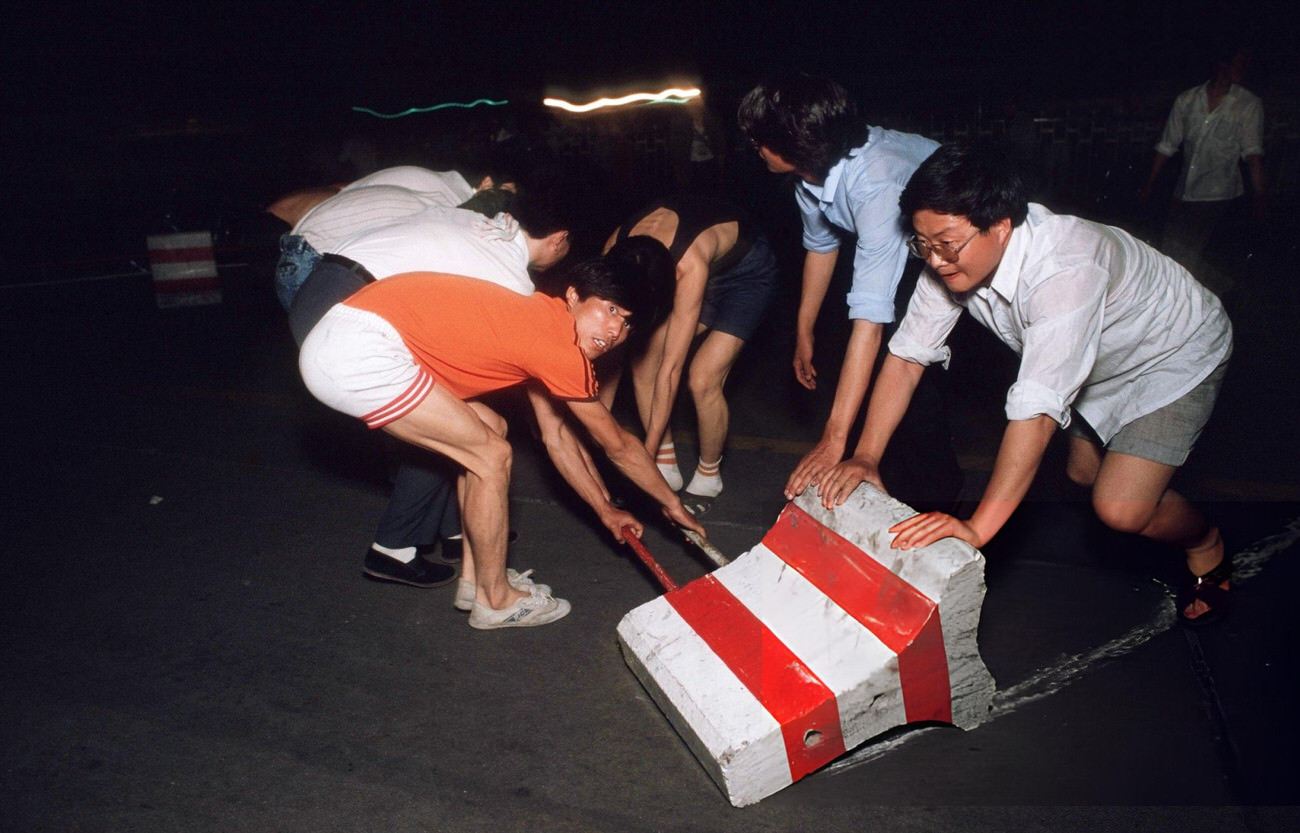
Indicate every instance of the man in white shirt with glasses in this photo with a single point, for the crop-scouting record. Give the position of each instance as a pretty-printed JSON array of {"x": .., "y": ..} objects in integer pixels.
[{"x": 1118, "y": 343}]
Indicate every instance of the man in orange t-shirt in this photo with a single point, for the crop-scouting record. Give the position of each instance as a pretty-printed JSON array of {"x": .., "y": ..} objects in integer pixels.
[{"x": 411, "y": 353}]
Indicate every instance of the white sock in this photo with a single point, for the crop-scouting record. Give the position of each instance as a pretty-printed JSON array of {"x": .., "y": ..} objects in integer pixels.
[
  {"x": 666, "y": 460},
  {"x": 403, "y": 554},
  {"x": 707, "y": 481}
]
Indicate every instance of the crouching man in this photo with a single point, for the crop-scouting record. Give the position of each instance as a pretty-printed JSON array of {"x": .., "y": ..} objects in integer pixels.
[
  {"x": 410, "y": 354},
  {"x": 1117, "y": 342}
]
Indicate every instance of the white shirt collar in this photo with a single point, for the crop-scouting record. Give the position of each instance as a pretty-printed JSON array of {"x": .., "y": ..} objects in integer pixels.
[{"x": 1007, "y": 276}]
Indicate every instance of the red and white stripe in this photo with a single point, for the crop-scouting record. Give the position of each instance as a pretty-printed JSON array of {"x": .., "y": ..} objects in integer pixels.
[
  {"x": 184, "y": 269},
  {"x": 408, "y": 401},
  {"x": 795, "y": 652}
]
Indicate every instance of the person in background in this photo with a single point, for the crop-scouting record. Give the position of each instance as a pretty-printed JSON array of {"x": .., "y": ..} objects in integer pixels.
[
  {"x": 1218, "y": 125},
  {"x": 422, "y": 515}
]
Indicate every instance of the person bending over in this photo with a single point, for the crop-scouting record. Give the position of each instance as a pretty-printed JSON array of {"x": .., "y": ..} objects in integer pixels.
[
  {"x": 848, "y": 178},
  {"x": 725, "y": 276},
  {"x": 411, "y": 354},
  {"x": 1117, "y": 342}
]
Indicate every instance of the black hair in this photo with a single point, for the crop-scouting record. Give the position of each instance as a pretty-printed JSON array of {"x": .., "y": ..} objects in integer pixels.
[
  {"x": 810, "y": 122},
  {"x": 972, "y": 179},
  {"x": 1225, "y": 50},
  {"x": 547, "y": 201},
  {"x": 475, "y": 166},
  {"x": 490, "y": 202},
  {"x": 638, "y": 274}
]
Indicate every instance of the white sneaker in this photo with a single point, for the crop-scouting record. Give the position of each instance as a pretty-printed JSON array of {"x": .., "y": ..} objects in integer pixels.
[
  {"x": 465, "y": 590},
  {"x": 534, "y": 609}
]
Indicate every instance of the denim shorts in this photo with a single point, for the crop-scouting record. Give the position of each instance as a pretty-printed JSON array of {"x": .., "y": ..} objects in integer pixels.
[
  {"x": 297, "y": 259},
  {"x": 1166, "y": 435},
  {"x": 736, "y": 300}
]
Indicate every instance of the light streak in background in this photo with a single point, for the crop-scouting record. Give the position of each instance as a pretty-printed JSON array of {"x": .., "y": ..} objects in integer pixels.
[
  {"x": 673, "y": 95},
  {"x": 476, "y": 102}
]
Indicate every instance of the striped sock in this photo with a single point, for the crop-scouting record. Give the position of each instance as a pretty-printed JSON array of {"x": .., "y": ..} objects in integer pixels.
[
  {"x": 666, "y": 460},
  {"x": 707, "y": 481}
]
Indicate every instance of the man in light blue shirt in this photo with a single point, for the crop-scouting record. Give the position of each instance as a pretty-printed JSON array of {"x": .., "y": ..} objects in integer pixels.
[{"x": 850, "y": 177}]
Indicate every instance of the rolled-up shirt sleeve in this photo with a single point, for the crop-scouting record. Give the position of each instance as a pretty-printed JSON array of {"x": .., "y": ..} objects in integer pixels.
[
  {"x": 880, "y": 256},
  {"x": 1175, "y": 126},
  {"x": 818, "y": 233},
  {"x": 1060, "y": 345},
  {"x": 923, "y": 333}
]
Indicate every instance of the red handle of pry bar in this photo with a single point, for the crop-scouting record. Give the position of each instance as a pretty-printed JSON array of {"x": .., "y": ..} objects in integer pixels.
[{"x": 648, "y": 559}]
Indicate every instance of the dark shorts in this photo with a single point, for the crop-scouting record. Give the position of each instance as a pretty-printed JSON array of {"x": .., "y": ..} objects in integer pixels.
[
  {"x": 326, "y": 285},
  {"x": 736, "y": 300}
]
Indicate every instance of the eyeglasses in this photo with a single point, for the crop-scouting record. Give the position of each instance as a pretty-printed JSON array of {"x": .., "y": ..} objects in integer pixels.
[{"x": 923, "y": 249}]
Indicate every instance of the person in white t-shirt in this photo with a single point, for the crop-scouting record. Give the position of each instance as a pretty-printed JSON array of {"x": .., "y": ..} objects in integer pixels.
[
  {"x": 1218, "y": 125},
  {"x": 321, "y": 219},
  {"x": 500, "y": 249},
  {"x": 1117, "y": 343}
]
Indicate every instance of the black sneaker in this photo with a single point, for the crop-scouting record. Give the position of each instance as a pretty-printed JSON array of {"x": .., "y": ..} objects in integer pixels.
[
  {"x": 453, "y": 549},
  {"x": 419, "y": 573}
]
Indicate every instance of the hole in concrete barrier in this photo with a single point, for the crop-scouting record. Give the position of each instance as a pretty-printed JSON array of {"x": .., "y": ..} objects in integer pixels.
[{"x": 811, "y": 738}]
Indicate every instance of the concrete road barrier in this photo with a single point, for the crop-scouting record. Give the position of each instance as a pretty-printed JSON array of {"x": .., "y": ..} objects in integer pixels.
[
  {"x": 184, "y": 269},
  {"x": 816, "y": 640}
]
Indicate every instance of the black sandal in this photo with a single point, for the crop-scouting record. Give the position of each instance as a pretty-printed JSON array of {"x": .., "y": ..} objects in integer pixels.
[
  {"x": 1210, "y": 589},
  {"x": 697, "y": 505}
]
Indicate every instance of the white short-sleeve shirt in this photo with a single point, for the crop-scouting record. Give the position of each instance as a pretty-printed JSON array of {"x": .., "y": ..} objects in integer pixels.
[
  {"x": 378, "y": 199},
  {"x": 453, "y": 241},
  {"x": 1213, "y": 141}
]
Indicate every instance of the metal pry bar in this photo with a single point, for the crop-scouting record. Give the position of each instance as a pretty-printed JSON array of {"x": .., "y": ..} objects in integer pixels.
[{"x": 715, "y": 555}]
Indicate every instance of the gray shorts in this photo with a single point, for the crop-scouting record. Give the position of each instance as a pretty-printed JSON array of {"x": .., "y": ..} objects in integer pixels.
[{"x": 1166, "y": 435}]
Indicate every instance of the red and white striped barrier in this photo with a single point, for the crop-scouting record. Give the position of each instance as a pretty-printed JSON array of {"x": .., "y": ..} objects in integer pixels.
[
  {"x": 814, "y": 641},
  {"x": 184, "y": 269}
]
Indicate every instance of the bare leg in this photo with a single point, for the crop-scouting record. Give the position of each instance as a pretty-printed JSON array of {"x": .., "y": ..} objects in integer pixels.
[
  {"x": 1132, "y": 495},
  {"x": 468, "y": 434},
  {"x": 708, "y": 374},
  {"x": 467, "y": 552},
  {"x": 498, "y": 424},
  {"x": 608, "y": 376},
  {"x": 645, "y": 367}
]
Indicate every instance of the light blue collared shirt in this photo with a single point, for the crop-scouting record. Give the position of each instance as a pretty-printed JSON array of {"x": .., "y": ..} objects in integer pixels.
[{"x": 860, "y": 196}]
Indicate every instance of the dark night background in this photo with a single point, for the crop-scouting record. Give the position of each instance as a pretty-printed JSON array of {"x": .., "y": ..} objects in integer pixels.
[
  {"x": 188, "y": 644},
  {"x": 126, "y": 118}
]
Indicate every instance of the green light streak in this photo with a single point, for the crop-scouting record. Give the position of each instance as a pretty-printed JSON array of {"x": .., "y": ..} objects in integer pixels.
[{"x": 465, "y": 106}]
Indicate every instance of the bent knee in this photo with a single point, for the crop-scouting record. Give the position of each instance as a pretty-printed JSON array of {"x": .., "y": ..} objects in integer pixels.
[
  {"x": 1130, "y": 516},
  {"x": 493, "y": 459},
  {"x": 703, "y": 385},
  {"x": 1081, "y": 473},
  {"x": 493, "y": 420}
]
